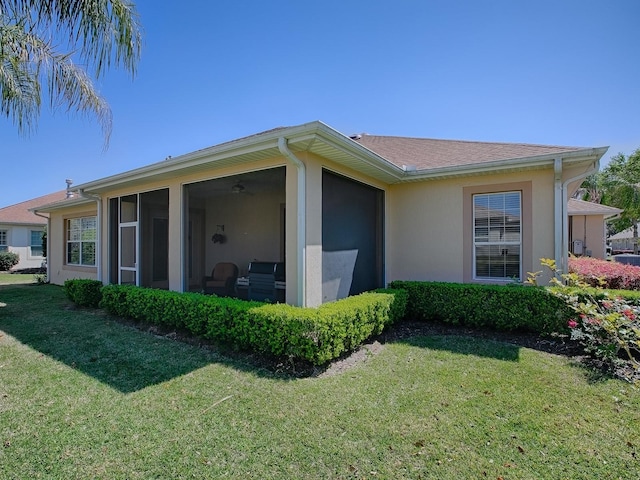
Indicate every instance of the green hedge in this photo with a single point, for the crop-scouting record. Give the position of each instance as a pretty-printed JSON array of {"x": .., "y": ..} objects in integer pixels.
[
  {"x": 317, "y": 335},
  {"x": 86, "y": 293},
  {"x": 489, "y": 306}
]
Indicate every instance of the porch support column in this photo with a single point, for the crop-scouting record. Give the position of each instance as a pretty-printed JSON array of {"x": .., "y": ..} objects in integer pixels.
[
  {"x": 565, "y": 216},
  {"x": 314, "y": 234},
  {"x": 558, "y": 222},
  {"x": 176, "y": 253}
]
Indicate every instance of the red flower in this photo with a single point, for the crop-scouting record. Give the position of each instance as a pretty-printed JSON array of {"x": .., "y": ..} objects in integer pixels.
[{"x": 572, "y": 324}]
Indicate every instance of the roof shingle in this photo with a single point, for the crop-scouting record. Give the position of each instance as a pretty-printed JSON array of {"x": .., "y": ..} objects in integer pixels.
[
  {"x": 20, "y": 214},
  {"x": 428, "y": 153}
]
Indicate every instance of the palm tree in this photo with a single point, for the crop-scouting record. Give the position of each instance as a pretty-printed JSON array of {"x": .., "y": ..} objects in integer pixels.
[
  {"x": 41, "y": 40},
  {"x": 620, "y": 182}
]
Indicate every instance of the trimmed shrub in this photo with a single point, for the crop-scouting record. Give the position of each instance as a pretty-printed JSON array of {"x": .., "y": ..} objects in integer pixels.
[
  {"x": 8, "y": 260},
  {"x": 83, "y": 292},
  {"x": 322, "y": 334},
  {"x": 512, "y": 307},
  {"x": 317, "y": 335},
  {"x": 605, "y": 274}
]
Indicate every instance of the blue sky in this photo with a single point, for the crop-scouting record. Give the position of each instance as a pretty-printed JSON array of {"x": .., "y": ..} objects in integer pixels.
[{"x": 557, "y": 72}]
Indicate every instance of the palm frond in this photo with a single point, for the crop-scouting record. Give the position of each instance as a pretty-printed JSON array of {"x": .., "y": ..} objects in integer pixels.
[{"x": 98, "y": 33}]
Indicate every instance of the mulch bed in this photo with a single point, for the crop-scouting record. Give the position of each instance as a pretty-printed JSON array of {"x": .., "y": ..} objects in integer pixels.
[{"x": 403, "y": 330}]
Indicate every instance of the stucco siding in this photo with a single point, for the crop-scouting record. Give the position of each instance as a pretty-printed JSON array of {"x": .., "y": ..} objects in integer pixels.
[
  {"x": 58, "y": 270},
  {"x": 426, "y": 224},
  {"x": 590, "y": 230}
]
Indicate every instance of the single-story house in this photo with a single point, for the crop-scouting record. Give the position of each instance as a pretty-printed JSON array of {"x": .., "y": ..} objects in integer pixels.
[
  {"x": 622, "y": 242},
  {"x": 587, "y": 227},
  {"x": 335, "y": 214},
  {"x": 21, "y": 230}
]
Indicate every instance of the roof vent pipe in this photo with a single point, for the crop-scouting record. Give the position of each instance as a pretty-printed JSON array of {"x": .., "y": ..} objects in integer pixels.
[{"x": 69, "y": 182}]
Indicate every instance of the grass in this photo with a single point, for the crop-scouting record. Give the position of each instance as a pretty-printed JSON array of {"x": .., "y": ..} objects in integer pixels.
[
  {"x": 83, "y": 396},
  {"x": 16, "y": 278}
]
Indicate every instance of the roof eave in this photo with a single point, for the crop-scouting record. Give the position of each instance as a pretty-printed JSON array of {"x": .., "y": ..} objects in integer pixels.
[
  {"x": 50, "y": 207},
  {"x": 237, "y": 148},
  {"x": 305, "y": 137}
]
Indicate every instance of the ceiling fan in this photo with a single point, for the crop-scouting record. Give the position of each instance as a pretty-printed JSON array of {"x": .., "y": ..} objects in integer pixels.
[{"x": 238, "y": 188}]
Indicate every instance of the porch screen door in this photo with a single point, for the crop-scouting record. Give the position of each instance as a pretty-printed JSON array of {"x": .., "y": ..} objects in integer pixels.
[{"x": 128, "y": 241}]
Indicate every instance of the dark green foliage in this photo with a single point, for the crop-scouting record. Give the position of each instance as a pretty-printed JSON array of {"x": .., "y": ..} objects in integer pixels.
[
  {"x": 83, "y": 292},
  {"x": 488, "y": 306},
  {"x": 44, "y": 243},
  {"x": 316, "y": 335},
  {"x": 8, "y": 260}
]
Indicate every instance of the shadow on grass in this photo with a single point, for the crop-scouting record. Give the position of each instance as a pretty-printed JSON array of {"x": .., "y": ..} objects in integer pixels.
[
  {"x": 465, "y": 345},
  {"x": 98, "y": 345}
]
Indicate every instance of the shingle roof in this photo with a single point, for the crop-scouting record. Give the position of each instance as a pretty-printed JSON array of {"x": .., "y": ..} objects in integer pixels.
[
  {"x": 427, "y": 153},
  {"x": 580, "y": 207},
  {"x": 624, "y": 234},
  {"x": 20, "y": 214}
]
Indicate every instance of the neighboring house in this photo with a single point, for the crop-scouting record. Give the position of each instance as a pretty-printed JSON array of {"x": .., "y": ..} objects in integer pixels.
[
  {"x": 21, "y": 230},
  {"x": 587, "y": 227},
  {"x": 344, "y": 214},
  {"x": 622, "y": 242}
]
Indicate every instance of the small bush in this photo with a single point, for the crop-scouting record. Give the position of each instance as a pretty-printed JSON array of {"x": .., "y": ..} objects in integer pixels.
[
  {"x": 605, "y": 274},
  {"x": 8, "y": 260},
  {"x": 83, "y": 292},
  {"x": 489, "y": 306}
]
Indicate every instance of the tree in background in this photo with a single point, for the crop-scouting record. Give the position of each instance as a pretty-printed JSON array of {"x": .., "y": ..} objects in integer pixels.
[
  {"x": 40, "y": 39},
  {"x": 619, "y": 186}
]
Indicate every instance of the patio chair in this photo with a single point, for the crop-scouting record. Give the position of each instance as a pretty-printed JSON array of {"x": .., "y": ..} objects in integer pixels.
[{"x": 222, "y": 281}]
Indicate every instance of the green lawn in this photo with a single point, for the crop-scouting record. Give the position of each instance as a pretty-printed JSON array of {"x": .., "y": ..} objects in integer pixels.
[
  {"x": 83, "y": 396},
  {"x": 16, "y": 278}
]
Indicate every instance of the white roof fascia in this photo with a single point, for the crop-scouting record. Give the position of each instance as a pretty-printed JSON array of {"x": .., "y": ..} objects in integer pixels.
[
  {"x": 71, "y": 202},
  {"x": 347, "y": 145}
]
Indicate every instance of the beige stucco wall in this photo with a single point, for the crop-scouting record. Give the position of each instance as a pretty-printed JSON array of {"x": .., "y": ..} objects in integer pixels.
[
  {"x": 426, "y": 229},
  {"x": 589, "y": 229},
  {"x": 56, "y": 254}
]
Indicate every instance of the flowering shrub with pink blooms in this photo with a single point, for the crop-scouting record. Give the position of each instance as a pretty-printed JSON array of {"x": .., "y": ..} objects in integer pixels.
[
  {"x": 610, "y": 331},
  {"x": 605, "y": 274},
  {"x": 608, "y": 327}
]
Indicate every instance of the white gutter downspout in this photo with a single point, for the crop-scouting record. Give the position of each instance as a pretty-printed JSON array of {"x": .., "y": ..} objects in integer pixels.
[
  {"x": 557, "y": 212},
  {"x": 35, "y": 212},
  {"x": 98, "y": 200},
  {"x": 301, "y": 220},
  {"x": 564, "y": 266}
]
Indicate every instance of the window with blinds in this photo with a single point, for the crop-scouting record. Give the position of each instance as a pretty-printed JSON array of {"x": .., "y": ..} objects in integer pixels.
[
  {"x": 497, "y": 236},
  {"x": 81, "y": 241}
]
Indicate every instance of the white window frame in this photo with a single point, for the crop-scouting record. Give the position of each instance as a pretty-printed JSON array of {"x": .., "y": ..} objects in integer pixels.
[
  {"x": 4, "y": 240},
  {"x": 83, "y": 237},
  {"x": 503, "y": 244}
]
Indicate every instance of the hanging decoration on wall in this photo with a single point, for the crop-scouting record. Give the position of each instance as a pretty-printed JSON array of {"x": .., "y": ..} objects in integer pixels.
[{"x": 219, "y": 236}]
